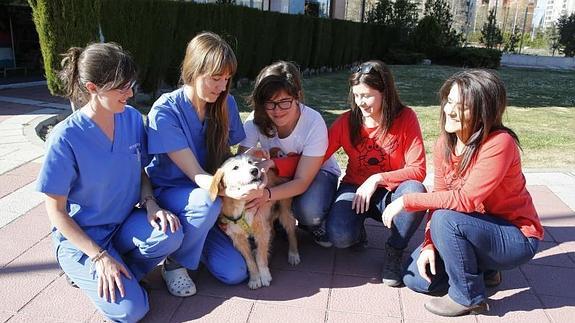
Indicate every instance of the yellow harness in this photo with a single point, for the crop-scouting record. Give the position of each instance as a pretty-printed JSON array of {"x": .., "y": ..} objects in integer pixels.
[{"x": 241, "y": 221}]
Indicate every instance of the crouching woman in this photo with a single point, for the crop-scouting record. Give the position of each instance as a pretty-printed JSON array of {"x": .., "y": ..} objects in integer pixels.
[{"x": 483, "y": 219}]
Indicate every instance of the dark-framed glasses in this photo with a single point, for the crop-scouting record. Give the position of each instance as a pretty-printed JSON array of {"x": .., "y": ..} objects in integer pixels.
[
  {"x": 282, "y": 104},
  {"x": 124, "y": 89},
  {"x": 364, "y": 68}
]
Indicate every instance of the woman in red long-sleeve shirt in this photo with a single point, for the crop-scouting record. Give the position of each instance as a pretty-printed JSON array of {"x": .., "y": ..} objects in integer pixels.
[{"x": 483, "y": 219}]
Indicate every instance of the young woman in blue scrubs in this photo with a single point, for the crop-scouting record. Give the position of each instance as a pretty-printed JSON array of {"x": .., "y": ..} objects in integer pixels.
[
  {"x": 93, "y": 177},
  {"x": 190, "y": 131}
]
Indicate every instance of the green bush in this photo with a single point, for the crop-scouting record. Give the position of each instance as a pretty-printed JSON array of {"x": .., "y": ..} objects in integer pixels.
[
  {"x": 403, "y": 57},
  {"x": 156, "y": 33},
  {"x": 472, "y": 57}
]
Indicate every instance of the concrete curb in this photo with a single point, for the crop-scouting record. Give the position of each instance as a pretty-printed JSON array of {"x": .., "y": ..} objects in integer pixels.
[{"x": 31, "y": 130}]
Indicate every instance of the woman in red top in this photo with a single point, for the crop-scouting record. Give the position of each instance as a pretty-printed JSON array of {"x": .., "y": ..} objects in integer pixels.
[
  {"x": 483, "y": 216},
  {"x": 386, "y": 159}
]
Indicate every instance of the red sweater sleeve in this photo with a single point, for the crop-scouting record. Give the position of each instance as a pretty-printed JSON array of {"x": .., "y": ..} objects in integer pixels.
[
  {"x": 413, "y": 150},
  {"x": 287, "y": 166},
  {"x": 492, "y": 162},
  {"x": 438, "y": 185}
]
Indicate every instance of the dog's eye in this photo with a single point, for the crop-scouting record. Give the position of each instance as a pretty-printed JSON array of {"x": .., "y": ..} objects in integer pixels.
[
  {"x": 251, "y": 162},
  {"x": 236, "y": 167}
]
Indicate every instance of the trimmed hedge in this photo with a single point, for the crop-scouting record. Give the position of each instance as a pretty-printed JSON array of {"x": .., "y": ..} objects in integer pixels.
[
  {"x": 156, "y": 33},
  {"x": 472, "y": 57}
]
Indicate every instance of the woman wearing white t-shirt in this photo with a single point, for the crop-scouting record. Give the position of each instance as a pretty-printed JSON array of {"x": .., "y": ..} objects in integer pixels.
[{"x": 283, "y": 126}]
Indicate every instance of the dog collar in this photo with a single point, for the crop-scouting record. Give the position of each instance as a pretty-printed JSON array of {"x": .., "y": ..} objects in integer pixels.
[{"x": 241, "y": 221}]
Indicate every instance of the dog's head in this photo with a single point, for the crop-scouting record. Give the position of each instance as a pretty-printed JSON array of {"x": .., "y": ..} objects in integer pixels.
[{"x": 238, "y": 173}]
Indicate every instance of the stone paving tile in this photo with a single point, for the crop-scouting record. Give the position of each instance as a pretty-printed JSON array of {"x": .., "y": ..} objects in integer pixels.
[
  {"x": 560, "y": 309},
  {"x": 363, "y": 295},
  {"x": 551, "y": 281},
  {"x": 265, "y": 313},
  {"x": 313, "y": 258},
  {"x": 338, "y": 317},
  {"x": 18, "y": 290},
  {"x": 552, "y": 254},
  {"x": 37, "y": 260},
  {"x": 4, "y": 316},
  {"x": 199, "y": 308},
  {"x": 19, "y": 202},
  {"x": 36, "y": 318},
  {"x": 71, "y": 304},
  {"x": 367, "y": 262},
  {"x": 18, "y": 178},
  {"x": 162, "y": 306},
  {"x": 299, "y": 289},
  {"x": 519, "y": 307},
  {"x": 24, "y": 232}
]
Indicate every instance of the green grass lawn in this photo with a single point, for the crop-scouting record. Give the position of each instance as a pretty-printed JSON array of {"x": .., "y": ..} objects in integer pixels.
[{"x": 541, "y": 107}]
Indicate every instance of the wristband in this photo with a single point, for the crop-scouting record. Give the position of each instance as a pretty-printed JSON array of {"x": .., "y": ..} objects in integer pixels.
[
  {"x": 269, "y": 193},
  {"x": 144, "y": 201}
]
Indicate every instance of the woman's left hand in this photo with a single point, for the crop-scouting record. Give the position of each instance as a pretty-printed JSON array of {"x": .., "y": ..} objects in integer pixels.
[
  {"x": 363, "y": 194},
  {"x": 391, "y": 210},
  {"x": 161, "y": 219}
]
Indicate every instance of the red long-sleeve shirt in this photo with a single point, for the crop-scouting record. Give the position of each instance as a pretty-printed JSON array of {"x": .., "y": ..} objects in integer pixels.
[
  {"x": 493, "y": 183},
  {"x": 401, "y": 156}
]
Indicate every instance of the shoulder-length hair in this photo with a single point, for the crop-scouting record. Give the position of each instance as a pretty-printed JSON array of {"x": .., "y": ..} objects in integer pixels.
[
  {"x": 376, "y": 75},
  {"x": 484, "y": 94},
  {"x": 209, "y": 54},
  {"x": 272, "y": 79}
]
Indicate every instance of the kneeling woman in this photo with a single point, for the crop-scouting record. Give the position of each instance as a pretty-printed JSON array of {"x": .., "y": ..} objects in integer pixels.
[
  {"x": 483, "y": 217},
  {"x": 93, "y": 176}
]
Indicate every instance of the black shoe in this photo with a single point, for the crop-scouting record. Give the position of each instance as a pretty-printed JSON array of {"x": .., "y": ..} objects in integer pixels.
[
  {"x": 71, "y": 282},
  {"x": 492, "y": 279},
  {"x": 392, "y": 271},
  {"x": 320, "y": 236}
]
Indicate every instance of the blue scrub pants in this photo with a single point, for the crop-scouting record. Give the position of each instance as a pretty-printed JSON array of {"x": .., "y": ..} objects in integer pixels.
[
  {"x": 202, "y": 240},
  {"x": 344, "y": 226},
  {"x": 139, "y": 247},
  {"x": 469, "y": 246}
]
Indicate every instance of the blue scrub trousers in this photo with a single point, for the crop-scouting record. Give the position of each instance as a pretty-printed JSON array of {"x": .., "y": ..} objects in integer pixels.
[
  {"x": 344, "y": 226},
  {"x": 202, "y": 239},
  {"x": 468, "y": 247},
  {"x": 139, "y": 247}
]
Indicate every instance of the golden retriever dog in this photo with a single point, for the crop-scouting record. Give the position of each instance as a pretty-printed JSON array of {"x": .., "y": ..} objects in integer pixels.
[{"x": 240, "y": 173}]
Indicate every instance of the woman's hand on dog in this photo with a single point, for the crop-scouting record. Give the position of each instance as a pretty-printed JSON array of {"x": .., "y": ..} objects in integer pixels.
[{"x": 160, "y": 219}]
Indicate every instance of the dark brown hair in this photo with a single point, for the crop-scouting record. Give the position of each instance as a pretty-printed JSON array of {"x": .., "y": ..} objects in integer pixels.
[
  {"x": 483, "y": 93},
  {"x": 272, "y": 79},
  {"x": 376, "y": 75},
  {"x": 107, "y": 65},
  {"x": 208, "y": 53}
]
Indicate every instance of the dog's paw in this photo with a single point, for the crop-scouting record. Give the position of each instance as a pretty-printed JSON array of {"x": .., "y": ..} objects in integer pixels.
[
  {"x": 265, "y": 276},
  {"x": 293, "y": 258},
  {"x": 255, "y": 283}
]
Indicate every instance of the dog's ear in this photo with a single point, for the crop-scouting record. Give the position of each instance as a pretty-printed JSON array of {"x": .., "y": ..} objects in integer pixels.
[{"x": 215, "y": 184}]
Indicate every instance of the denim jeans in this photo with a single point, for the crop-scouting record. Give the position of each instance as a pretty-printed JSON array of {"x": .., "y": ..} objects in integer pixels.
[
  {"x": 312, "y": 206},
  {"x": 467, "y": 247},
  {"x": 344, "y": 226}
]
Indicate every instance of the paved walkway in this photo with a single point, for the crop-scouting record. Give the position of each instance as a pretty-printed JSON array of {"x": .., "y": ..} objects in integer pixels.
[{"x": 328, "y": 286}]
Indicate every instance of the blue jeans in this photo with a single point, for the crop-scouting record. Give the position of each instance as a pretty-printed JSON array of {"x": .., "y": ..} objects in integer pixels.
[
  {"x": 312, "y": 206},
  {"x": 467, "y": 247},
  {"x": 344, "y": 226}
]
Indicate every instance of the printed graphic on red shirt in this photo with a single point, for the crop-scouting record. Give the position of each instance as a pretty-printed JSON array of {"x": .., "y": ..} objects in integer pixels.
[{"x": 373, "y": 156}]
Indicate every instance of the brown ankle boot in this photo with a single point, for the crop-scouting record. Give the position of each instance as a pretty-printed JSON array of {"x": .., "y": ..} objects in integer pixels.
[{"x": 445, "y": 306}]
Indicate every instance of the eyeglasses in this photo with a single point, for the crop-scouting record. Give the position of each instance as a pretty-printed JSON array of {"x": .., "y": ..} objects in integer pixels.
[
  {"x": 283, "y": 104},
  {"x": 364, "y": 68}
]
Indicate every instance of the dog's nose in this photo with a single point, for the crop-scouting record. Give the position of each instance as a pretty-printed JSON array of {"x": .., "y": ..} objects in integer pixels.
[{"x": 255, "y": 172}]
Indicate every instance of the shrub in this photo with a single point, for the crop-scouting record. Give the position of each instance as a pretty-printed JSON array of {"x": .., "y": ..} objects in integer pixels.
[{"x": 469, "y": 57}]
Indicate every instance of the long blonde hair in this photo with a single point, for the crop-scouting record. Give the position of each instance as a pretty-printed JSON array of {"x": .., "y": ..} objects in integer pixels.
[{"x": 208, "y": 53}]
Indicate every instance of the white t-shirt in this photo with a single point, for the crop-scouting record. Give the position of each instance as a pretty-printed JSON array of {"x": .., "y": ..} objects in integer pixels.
[{"x": 308, "y": 138}]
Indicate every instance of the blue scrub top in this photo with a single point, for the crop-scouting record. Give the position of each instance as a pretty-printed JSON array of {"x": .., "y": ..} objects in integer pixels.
[
  {"x": 100, "y": 178},
  {"x": 174, "y": 125}
]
